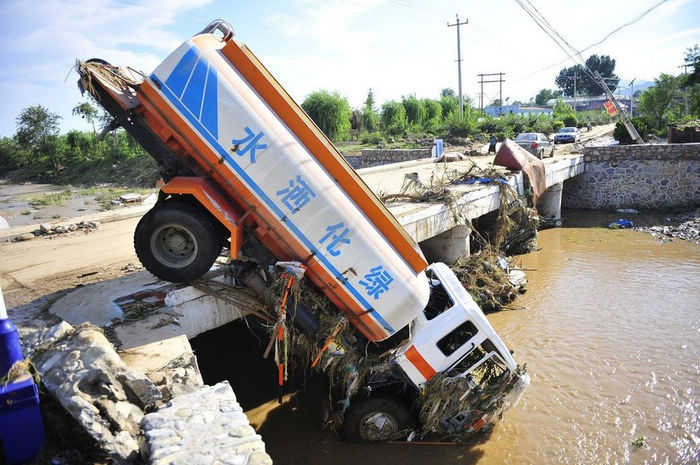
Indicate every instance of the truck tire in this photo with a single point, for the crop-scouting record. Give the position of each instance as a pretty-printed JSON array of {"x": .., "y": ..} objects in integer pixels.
[
  {"x": 177, "y": 241},
  {"x": 379, "y": 418}
]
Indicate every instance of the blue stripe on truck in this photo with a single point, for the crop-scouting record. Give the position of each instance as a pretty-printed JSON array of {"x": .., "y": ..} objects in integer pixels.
[
  {"x": 212, "y": 140},
  {"x": 193, "y": 82}
]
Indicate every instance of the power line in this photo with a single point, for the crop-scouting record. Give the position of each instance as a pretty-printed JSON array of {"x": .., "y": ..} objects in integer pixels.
[{"x": 595, "y": 44}]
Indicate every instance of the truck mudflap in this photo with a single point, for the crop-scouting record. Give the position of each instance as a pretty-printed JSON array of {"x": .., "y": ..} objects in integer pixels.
[{"x": 214, "y": 103}]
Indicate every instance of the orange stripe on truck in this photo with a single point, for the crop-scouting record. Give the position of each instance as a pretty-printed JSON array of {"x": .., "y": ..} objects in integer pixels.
[
  {"x": 322, "y": 149},
  {"x": 420, "y": 363}
]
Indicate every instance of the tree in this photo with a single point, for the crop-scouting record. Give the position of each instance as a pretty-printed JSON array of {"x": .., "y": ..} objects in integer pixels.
[
  {"x": 447, "y": 92},
  {"x": 370, "y": 118},
  {"x": 330, "y": 112},
  {"x": 87, "y": 112},
  {"x": 585, "y": 85},
  {"x": 394, "y": 118},
  {"x": 497, "y": 103},
  {"x": 692, "y": 58},
  {"x": 543, "y": 96},
  {"x": 415, "y": 111},
  {"x": 449, "y": 104},
  {"x": 657, "y": 103},
  {"x": 34, "y": 125}
]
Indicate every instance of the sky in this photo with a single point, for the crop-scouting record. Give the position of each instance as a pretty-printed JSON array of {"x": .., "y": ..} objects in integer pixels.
[{"x": 395, "y": 47}]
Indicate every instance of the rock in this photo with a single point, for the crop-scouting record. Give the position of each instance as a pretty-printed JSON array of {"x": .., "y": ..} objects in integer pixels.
[
  {"x": 202, "y": 427},
  {"x": 72, "y": 227},
  {"x": 45, "y": 228},
  {"x": 81, "y": 369},
  {"x": 26, "y": 237}
]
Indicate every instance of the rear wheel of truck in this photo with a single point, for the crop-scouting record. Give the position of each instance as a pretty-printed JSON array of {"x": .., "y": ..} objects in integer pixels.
[
  {"x": 376, "y": 419},
  {"x": 177, "y": 241}
]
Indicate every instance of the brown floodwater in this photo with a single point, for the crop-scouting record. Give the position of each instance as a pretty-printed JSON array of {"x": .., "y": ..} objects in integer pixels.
[{"x": 610, "y": 332}]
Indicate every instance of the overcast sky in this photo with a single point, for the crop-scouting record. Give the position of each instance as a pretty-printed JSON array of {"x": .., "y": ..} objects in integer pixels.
[{"x": 396, "y": 47}]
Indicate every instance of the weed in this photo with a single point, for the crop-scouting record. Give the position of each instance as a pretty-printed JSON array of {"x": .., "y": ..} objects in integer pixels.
[
  {"x": 56, "y": 216},
  {"x": 639, "y": 442},
  {"x": 26, "y": 212},
  {"x": 51, "y": 198}
]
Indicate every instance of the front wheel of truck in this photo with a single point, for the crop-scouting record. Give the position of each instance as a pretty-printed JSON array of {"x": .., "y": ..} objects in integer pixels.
[
  {"x": 376, "y": 419},
  {"x": 177, "y": 241}
]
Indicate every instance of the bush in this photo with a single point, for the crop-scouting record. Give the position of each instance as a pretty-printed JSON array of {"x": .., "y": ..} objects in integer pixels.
[
  {"x": 394, "y": 118},
  {"x": 457, "y": 125},
  {"x": 622, "y": 136},
  {"x": 330, "y": 112},
  {"x": 570, "y": 121},
  {"x": 557, "y": 125},
  {"x": 371, "y": 137}
]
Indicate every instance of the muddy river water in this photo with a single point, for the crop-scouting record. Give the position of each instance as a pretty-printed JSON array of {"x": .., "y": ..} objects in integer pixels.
[{"x": 610, "y": 332}]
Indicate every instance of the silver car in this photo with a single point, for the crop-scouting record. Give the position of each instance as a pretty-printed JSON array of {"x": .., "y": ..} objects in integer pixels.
[
  {"x": 536, "y": 143},
  {"x": 568, "y": 134}
]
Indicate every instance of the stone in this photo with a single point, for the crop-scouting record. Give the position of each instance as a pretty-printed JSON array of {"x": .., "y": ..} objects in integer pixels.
[
  {"x": 45, "y": 228},
  {"x": 26, "y": 237},
  {"x": 81, "y": 369}
]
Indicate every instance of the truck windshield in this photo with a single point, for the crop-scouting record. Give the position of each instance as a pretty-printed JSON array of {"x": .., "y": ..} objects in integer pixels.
[{"x": 482, "y": 366}]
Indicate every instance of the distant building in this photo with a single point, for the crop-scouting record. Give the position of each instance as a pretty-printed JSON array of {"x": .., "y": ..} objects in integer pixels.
[
  {"x": 586, "y": 102},
  {"x": 517, "y": 110}
]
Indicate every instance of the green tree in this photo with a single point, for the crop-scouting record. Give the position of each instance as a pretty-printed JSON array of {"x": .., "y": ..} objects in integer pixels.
[
  {"x": 415, "y": 111},
  {"x": 447, "y": 92},
  {"x": 449, "y": 104},
  {"x": 394, "y": 118},
  {"x": 37, "y": 133},
  {"x": 433, "y": 114},
  {"x": 543, "y": 96},
  {"x": 330, "y": 112},
  {"x": 692, "y": 58},
  {"x": 658, "y": 104},
  {"x": 585, "y": 85},
  {"x": 370, "y": 118},
  {"x": 88, "y": 112}
]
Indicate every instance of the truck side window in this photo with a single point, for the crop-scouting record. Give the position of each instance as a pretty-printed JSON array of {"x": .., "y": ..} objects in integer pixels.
[
  {"x": 439, "y": 301},
  {"x": 456, "y": 338}
]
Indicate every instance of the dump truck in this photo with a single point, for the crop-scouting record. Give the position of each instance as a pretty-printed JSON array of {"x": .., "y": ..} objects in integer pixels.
[{"x": 244, "y": 168}]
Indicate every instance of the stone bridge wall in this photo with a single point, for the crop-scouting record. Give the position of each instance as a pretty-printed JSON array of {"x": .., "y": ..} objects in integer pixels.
[
  {"x": 376, "y": 157},
  {"x": 636, "y": 176}
]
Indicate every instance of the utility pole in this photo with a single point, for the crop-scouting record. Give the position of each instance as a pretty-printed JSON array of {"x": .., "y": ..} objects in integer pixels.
[
  {"x": 623, "y": 116},
  {"x": 575, "y": 91},
  {"x": 632, "y": 98},
  {"x": 459, "y": 62},
  {"x": 575, "y": 79},
  {"x": 500, "y": 82}
]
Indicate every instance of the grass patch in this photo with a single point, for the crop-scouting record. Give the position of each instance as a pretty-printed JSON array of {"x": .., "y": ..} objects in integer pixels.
[
  {"x": 26, "y": 212},
  {"x": 52, "y": 198},
  {"x": 104, "y": 195}
]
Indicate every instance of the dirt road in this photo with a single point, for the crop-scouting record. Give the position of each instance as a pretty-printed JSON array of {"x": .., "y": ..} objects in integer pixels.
[{"x": 48, "y": 264}]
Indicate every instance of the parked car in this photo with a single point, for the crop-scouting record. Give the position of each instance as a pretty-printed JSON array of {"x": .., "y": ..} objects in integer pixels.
[
  {"x": 567, "y": 134},
  {"x": 536, "y": 143}
]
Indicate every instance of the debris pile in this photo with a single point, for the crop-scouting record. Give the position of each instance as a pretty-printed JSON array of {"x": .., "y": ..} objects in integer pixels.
[
  {"x": 684, "y": 226},
  {"x": 47, "y": 229},
  {"x": 490, "y": 279}
]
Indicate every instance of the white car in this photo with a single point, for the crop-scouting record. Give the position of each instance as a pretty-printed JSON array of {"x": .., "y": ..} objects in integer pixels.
[{"x": 568, "y": 134}]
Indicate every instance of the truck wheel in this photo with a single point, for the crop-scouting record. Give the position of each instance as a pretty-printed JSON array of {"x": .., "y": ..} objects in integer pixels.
[
  {"x": 177, "y": 241},
  {"x": 376, "y": 419}
]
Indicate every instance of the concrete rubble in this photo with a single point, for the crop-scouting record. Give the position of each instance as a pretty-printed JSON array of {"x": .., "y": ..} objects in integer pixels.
[
  {"x": 81, "y": 369},
  {"x": 207, "y": 426},
  {"x": 46, "y": 229}
]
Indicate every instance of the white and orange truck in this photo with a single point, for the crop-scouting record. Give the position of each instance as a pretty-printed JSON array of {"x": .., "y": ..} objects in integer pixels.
[{"x": 245, "y": 168}]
